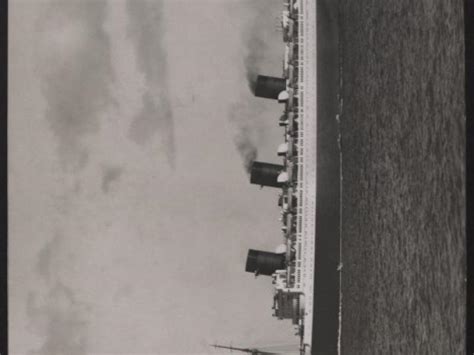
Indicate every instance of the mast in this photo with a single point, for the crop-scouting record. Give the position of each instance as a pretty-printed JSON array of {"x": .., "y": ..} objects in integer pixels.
[{"x": 245, "y": 350}]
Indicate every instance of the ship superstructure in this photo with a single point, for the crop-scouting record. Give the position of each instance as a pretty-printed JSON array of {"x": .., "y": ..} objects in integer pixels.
[{"x": 291, "y": 267}]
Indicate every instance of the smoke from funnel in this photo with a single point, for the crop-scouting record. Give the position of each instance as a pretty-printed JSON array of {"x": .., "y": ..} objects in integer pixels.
[
  {"x": 247, "y": 131},
  {"x": 252, "y": 80},
  {"x": 260, "y": 52},
  {"x": 246, "y": 148},
  {"x": 255, "y": 48},
  {"x": 256, "y": 44}
]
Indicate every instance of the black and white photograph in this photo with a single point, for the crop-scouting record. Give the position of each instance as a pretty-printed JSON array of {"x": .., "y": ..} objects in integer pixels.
[{"x": 212, "y": 177}]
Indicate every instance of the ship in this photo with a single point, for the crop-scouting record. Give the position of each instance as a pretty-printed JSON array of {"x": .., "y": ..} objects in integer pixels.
[{"x": 291, "y": 266}]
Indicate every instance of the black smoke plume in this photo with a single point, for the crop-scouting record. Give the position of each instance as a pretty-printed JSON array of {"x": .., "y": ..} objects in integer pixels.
[
  {"x": 260, "y": 45},
  {"x": 253, "y": 59},
  {"x": 248, "y": 131},
  {"x": 255, "y": 40},
  {"x": 247, "y": 149}
]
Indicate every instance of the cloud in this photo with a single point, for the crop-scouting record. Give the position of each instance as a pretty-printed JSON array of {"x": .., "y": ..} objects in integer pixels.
[
  {"x": 155, "y": 116},
  {"x": 110, "y": 174},
  {"x": 75, "y": 68},
  {"x": 61, "y": 320},
  {"x": 46, "y": 255},
  {"x": 146, "y": 30},
  {"x": 57, "y": 315}
]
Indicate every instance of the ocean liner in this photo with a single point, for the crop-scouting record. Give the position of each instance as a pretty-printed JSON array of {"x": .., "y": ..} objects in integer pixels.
[{"x": 291, "y": 266}]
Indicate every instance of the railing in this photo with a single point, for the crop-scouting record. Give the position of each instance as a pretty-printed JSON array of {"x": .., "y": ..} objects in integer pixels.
[{"x": 299, "y": 66}]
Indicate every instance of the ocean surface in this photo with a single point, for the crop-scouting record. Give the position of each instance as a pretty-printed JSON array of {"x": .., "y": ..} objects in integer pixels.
[{"x": 402, "y": 126}]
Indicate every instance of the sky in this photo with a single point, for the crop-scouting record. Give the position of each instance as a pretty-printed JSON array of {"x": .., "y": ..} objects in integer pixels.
[{"x": 130, "y": 208}]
